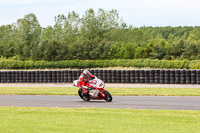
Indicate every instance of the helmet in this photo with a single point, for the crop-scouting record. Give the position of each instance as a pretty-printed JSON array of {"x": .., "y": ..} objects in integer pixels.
[{"x": 86, "y": 73}]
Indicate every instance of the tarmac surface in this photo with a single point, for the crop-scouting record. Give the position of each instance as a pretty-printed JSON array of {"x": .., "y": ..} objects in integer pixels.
[{"x": 120, "y": 102}]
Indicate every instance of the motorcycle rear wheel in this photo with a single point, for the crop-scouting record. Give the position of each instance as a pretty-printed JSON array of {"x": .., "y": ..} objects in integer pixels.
[
  {"x": 82, "y": 95},
  {"x": 108, "y": 96}
]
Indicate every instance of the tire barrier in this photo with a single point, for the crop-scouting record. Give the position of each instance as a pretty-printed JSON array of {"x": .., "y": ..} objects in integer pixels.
[
  {"x": 146, "y": 76},
  {"x": 162, "y": 76},
  {"x": 132, "y": 77},
  {"x": 177, "y": 77},
  {"x": 127, "y": 75},
  {"x": 151, "y": 76},
  {"x": 108, "y": 76},
  {"x": 172, "y": 77},
  {"x": 193, "y": 76},
  {"x": 113, "y": 76},
  {"x": 157, "y": 76},
  {"x": 137, "y": 76},
  {"x": 182, "y": 77},
  {"x": 197, "y": 76}
]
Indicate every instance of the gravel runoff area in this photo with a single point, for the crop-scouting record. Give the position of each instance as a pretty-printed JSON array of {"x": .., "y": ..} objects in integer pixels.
[{"x": 107, "y": 85}]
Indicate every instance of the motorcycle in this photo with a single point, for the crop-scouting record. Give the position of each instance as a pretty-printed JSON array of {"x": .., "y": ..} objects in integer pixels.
[{"x": 98, "y": 92}]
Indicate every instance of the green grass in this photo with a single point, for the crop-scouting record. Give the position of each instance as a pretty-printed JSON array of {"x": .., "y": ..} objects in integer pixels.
[
  {"x": 155, "y": 91},
  {"x": 113, "y": 91},
  {"x": 38, "y": 91},
  {"x": 59, "y": 120}
]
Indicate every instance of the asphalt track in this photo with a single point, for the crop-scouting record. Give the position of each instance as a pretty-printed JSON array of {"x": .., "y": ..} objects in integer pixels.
[{"x": 120, "y": 102}]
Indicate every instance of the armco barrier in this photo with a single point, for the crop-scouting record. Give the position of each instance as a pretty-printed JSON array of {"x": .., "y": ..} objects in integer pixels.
[{"x": 108, "y": 76}]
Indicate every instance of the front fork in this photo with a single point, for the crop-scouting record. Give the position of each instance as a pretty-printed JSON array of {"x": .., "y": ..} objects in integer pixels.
[{"x": 102, "y": 93}]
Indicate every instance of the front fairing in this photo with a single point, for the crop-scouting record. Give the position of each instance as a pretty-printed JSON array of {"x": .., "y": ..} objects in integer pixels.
[{"x": 97, "y": 83}]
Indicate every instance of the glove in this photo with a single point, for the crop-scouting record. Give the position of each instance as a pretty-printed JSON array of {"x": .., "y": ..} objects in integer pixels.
[
  {"x": 86, "y": 88},
  {"x": 93, "y": 77}
]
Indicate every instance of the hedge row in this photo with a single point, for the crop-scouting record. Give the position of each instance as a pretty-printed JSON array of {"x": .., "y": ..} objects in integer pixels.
[
  {"x": 80, "y": 64},
  {"x": 108, "y": 76}
]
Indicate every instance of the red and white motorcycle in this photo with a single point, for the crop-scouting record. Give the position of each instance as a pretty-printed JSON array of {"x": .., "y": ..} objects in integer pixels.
[{"x": 97, "y": 93}]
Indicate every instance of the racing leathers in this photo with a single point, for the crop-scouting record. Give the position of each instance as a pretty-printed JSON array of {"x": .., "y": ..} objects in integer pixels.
[{"x": 84, "y": 81}]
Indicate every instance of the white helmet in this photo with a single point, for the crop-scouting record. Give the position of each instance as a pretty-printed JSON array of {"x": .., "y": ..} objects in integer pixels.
[{"x": 86, "y": 73}]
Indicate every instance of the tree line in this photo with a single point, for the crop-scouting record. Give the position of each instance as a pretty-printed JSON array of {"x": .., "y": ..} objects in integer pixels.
[{"x": 95, "y": 35}]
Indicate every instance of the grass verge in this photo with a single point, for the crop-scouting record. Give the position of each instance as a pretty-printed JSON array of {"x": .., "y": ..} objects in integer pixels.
[
  {"x": 113, "y": 91},
  {"x": 59, "y": 120}
]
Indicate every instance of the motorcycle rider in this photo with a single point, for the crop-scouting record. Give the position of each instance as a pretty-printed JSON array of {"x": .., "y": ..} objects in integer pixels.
[{"x": 84, "y": 80}]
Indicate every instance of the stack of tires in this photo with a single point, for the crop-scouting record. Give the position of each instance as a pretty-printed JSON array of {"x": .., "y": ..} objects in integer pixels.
[
  {"x": 45, "y": 77},
  {"x": 127, "y": 76},
  {"x": 40, "y": 76},
  {"x": 28, "y": 77},
  {"x": 69, "y": 76},
  {"x": 172, "y": 77},
  {"x": 193, "y": 77},
  {"x": 108, "y": 76},
  {"x": 65, "y": 78},
  {"x": 48, "y": 76},
  {"x": 137, "y": 76},
  {"x": 142, "y": 78},
  {"x": 53, "y": 76},
  {"x": 13, "y": 76},
  {"x": 187, "y": 76},
  {"x": 182, "y": 77},
  {"x": 104, "y": 76},
  {"x": 198, "y": 76},
  {"x": 16, "y": 78},
  {"x": 123, "y": 76},
  {"x": 36, "y": 76},
  {"x": 113, "y": 76},
  {"x": 79, "y": 73},
  {"x": 118, "y": 76},
  {"x": 151, "y": 77},
  {"x": 100, "y": 74},
  {"x": 157, "y": 76},
  {"x": 59, "y": 78},
  {"x": 177, "y": 76},
  {"x": 132, "y": 76},
  {"x": 146, "y": 76},
  {"x": 162, "y": 76},
  {"x": 3, "y": 76},
  {"x": 167, "y": 76},
  {"x": 74, "y": 75}
]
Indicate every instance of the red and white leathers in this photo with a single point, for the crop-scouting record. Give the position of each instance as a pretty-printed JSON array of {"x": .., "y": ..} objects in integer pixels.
[{"x": 84, "y": 81}]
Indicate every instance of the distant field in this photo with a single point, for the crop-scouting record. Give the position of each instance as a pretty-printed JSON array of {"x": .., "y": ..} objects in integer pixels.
[
  {"x": 59, "y": 120},
  {"x": 114, "y": 91}
]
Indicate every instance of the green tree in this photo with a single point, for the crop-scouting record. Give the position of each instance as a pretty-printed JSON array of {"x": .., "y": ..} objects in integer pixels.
[
  {"x": 28, "y": 32},
  {"x": 7, "y": 48}
]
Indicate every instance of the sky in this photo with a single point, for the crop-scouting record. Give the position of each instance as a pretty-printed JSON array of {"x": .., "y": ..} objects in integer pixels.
[{"x": 136, "y": 13}]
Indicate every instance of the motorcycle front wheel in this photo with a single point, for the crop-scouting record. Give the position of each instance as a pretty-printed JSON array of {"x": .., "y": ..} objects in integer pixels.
[
  {"x": 83, "y": 96},
  {"x": 108, "y": 96}
]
